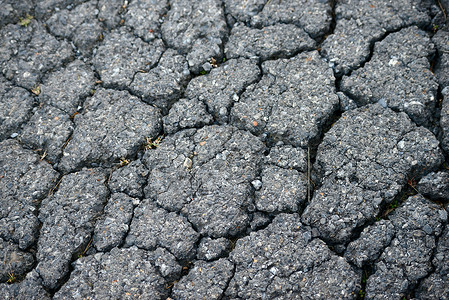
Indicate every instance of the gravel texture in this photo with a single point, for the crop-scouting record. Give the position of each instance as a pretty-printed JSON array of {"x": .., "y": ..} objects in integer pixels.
[
  {"x": 398, "y": 76},
  {"x": 359, "y": 25},
  {"x": 224, "y": 149},
  {"x": 292, "y": 102},
  {"x": 270, "y": 42},
  {"x": 364, "y": 161},
  {"x": 114, "y": 125},
  {"x": 222, "y": 87}
]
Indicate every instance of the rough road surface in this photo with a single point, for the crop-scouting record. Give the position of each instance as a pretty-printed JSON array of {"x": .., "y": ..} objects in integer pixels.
[{"x": 224, "y": 149}]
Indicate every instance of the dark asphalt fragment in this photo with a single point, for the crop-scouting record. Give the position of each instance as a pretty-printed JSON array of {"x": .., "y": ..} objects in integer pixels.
[
  {"x": 211, "y": 249},
  {"x": 30, "y": 288},
  {"x": 281, "y": 40},
  {"x": 364, "y": 161},
  {"x": 163, "y": 84},
  {"x": 408, "y": 258},
  {"x": 154, "y": 227},
  {"x": 282, "y": 190},
  {"x": 207, "y": 280},
  {"x": 112, "y": 227},
  {"x": 28, "y": 52},
  {"x": 437, "y": 284},
  {"x": 206, "y": 174},
  {"x": 360, "y": 25},
  {"x": 121, "y": 55},
  {"x": 13, "y": 262},
  {"x": 145, "y": 18},
  {"x": 67, "y": 88},
  {"x": 186, "y": 113},
  {"x": 114, "y": 125},
  {"x": 15, "y": 108},
  {"x": 129, "y": 179},
  {"x": 24, "y": 181},
  {"x": 47, "y": 130},
  {"x": 441, "y": 41},
  {"x": 119, "y": 274},
  {"x": 221, "y": 88},
  {"x": 79, "y": 25},
  {"x": 435, "y": 186},
  {"x": 283, "y": 262},
  {"x": 398, "y": 76},
  {"x": 197, "y": 29},
  {"x": 444, "y": 120},
  {"x": 292, "y": 102},
  {"x": 68, "y": 219}
]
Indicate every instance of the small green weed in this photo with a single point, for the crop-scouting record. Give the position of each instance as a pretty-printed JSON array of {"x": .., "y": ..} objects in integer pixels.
[
  {"x": 11, "y": 277},
  {"x": 150, "y": 144},
  {"x": 25, "y": 21},
  {"x": 124, "y": 162},
  {"x": 394, "y": 204}
]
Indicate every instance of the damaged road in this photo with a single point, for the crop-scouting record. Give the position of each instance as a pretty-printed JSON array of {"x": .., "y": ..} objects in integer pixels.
[{"x": 224, "y": 149}]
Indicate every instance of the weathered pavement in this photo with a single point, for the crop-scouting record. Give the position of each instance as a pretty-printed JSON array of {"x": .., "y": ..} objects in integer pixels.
[{"x": 174, "y": 149}]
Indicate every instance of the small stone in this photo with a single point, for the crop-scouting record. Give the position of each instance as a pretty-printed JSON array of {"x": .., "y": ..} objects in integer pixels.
[
  {"x": 257, "y": 184},
  {"x": 188, "y": 163}
]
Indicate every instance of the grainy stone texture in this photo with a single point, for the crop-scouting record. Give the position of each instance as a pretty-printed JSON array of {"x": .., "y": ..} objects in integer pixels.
[
  {"x": 129, "y": 179},
  {"x": 441, "y": 41},
  {"x": 207, "y": 280},
  {"x": 47, "y": 130},
  {"x": 211, "y": 249},
  {"x": 145, "y": 18},
  {"x": 79, "y": 25},
  {"x": 398, "y": 75},
  {"x": 364, "y": 161},
  {"x": 292, "y": 102},
  {"x": 187, "y": 113},
  {"x": 222, "y": 87},
  {"x": 408, "y": 258},
  {"x": 270, "y": 42},
  {"x": 45, "y": 8},
  {"x": 154, "y": 227},
  {"x": 372, "y": 241},
  {"x": 121, "y": 55},
  {"x": 12, "y": 10},
  {"x": 28, "y": 52},
  {"x": 288, "y": 157},
  {"x": 163, "y": 84},
  {"x": 359, "y": 25},
  {"x": 114, "y": 125},
  {"x": 437, "y": 284},
  {"x": 314, "y": 17},
  {"x": 206, "y": 174},
  {"x": 13, "y": 262},
  {"x": 24, "y": 181},
  {"x": 444, "y": 120},
  {"x": 282, "y": 190},
  {"x": 120, "y": 274},
  {"x": 197, "y": 29},
  {"x": 435, "y": 186},
  {"x": 30, "y": 288},
  {"x": 223, "y": 149},
  {"x": 68, "y": 219},
  {"x": 112, "y": 227},
  {"x": 67, "y": 88},
  {"x": 15, "y": 108},
  {"x": 284, "y": 261},
  {"x": 109, "y": 12}
]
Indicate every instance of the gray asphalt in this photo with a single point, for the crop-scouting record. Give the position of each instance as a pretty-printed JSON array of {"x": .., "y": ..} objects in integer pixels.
[{"x": 224, "y": 149}]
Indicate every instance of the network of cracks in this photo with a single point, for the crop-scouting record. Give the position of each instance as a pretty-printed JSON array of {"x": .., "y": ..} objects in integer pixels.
[{"x": 257, "y": 149}]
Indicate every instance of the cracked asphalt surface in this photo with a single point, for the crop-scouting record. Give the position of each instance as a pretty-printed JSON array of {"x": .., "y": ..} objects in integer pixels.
[{"x": 224, "y": 149}]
